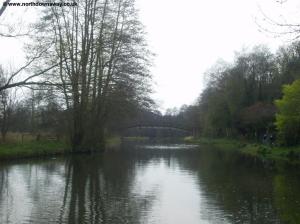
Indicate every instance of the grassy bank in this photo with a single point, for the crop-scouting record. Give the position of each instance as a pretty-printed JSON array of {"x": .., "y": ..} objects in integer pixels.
[
  {"x": 113, "y": 142},
  {"x": 262, "y": 151},
  {"x": 32, "y": 149},
  {"x": 135, "y": 139}
]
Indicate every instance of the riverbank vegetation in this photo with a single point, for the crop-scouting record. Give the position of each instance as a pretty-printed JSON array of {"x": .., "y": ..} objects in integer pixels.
[
  {"x": 32, "y": 149},
  {"x": 86, "y": 75},
  {"x": 273, "y": 153},
  {"x": 250, "y": 105},
  {"x": 255, "y": 98}
]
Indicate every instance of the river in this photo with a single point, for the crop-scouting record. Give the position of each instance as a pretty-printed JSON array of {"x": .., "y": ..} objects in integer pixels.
[{"x": 151, "y": 184}]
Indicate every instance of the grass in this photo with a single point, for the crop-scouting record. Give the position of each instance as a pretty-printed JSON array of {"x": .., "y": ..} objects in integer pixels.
[
  {"x": 32, "y": 149},
  {"x": 136, "y": 138},
  {"x": 20, "y": 145},
  {"x": 113, "y": 142},
  {"x": 25, "y": 145},
  {"x": 262, "y": 151}
]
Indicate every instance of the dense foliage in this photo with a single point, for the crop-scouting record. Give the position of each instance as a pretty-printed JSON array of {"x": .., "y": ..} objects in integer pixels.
[
  {"x": 288, "y": 118},
  {"x": 238, "y": 100}
]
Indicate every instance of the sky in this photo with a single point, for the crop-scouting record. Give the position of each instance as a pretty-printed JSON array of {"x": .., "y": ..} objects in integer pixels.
[{"x": 188, "y": 37}]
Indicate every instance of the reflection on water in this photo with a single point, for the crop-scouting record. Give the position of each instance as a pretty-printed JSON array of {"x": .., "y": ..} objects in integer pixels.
[
  {"x": 165, "y": 184},
  {"x": 166, "y": 146}
]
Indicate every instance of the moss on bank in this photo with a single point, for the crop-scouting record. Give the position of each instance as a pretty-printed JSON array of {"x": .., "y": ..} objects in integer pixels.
[{"x": 262, "y": 151}]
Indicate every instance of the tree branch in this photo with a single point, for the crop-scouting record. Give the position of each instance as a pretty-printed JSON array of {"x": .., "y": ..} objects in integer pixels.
[{"x": 4, "y": 6}]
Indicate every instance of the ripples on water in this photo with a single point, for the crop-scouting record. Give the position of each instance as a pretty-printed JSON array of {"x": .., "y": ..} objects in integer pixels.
[{"x": 152, "y": 183}]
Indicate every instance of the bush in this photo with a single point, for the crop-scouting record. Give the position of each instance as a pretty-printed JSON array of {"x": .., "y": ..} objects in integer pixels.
[{"x": 288, "y": 117}]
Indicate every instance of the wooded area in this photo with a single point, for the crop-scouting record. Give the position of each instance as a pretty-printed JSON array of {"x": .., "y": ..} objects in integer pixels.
[
  {"x": 90, "y": 69},
  {"x": 245, "y": 98}
]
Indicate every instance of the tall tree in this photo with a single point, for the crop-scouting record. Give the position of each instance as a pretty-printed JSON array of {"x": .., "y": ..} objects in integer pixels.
[
  {"x": 6, "y": 107},
  {"x": 100, "y": 49}
]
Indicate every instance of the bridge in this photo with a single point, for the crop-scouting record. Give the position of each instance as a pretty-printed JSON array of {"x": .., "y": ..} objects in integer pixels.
[{"x": 155, "y": 131}]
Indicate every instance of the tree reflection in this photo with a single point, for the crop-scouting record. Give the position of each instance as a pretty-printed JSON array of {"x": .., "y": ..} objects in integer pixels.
[
  {"x": 100, "y": 191},
  {"x": 287, "y": 197},
  {"x": 80, "y": 189},
  {"x": 107, "y": 188},
  {"x": 245, "y": 190}
]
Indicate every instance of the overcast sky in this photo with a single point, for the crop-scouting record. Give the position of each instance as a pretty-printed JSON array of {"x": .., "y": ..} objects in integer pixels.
[{"x": 188, "y": 37}]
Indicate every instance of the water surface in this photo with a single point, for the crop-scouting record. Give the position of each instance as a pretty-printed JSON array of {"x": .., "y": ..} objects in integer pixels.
[{"x": 150, "y": 183}]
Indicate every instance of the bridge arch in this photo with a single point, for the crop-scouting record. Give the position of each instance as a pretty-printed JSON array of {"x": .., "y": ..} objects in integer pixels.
[{"x": 153, "y": 131}]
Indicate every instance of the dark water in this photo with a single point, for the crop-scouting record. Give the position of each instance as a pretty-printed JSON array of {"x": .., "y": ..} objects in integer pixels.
[{"x": 148, "y": 184}]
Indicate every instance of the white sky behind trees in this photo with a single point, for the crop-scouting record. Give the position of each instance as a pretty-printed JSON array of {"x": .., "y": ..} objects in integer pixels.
[{"x": 188, "y": 37}]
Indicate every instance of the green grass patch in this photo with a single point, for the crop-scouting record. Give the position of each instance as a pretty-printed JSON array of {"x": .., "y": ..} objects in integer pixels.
[
  {"x": 32, "y": 149},
  {"x": 226, "y": 143},
  {"x": 136, "y": 138},
  {"x": 112, "y": 142}
]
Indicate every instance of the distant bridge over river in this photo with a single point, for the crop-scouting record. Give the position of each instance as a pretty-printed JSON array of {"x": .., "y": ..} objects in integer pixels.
[{"x": 153, "y": 131}]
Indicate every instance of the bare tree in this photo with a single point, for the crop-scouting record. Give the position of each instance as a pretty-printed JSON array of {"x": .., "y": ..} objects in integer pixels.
[
  {"x": 23, "y": 75},
  {"x": 100, "y": 49},
  {"x": 279, "y": 25}
]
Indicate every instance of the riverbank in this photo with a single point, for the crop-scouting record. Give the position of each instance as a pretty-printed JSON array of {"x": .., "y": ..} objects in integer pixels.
[
  {"x": 44, "y": 148},
  {"x": 32, "y": 149},
  {"x": 289, "y": 155}
]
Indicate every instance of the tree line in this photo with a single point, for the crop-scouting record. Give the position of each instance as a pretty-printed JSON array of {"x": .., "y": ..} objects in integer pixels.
[{"x": 256, "y": 95}]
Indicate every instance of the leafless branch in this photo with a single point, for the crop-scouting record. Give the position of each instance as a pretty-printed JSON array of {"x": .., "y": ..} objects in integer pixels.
[
  {"x": 4, "y": 6},
  {"x": 27, "y": 81}
]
